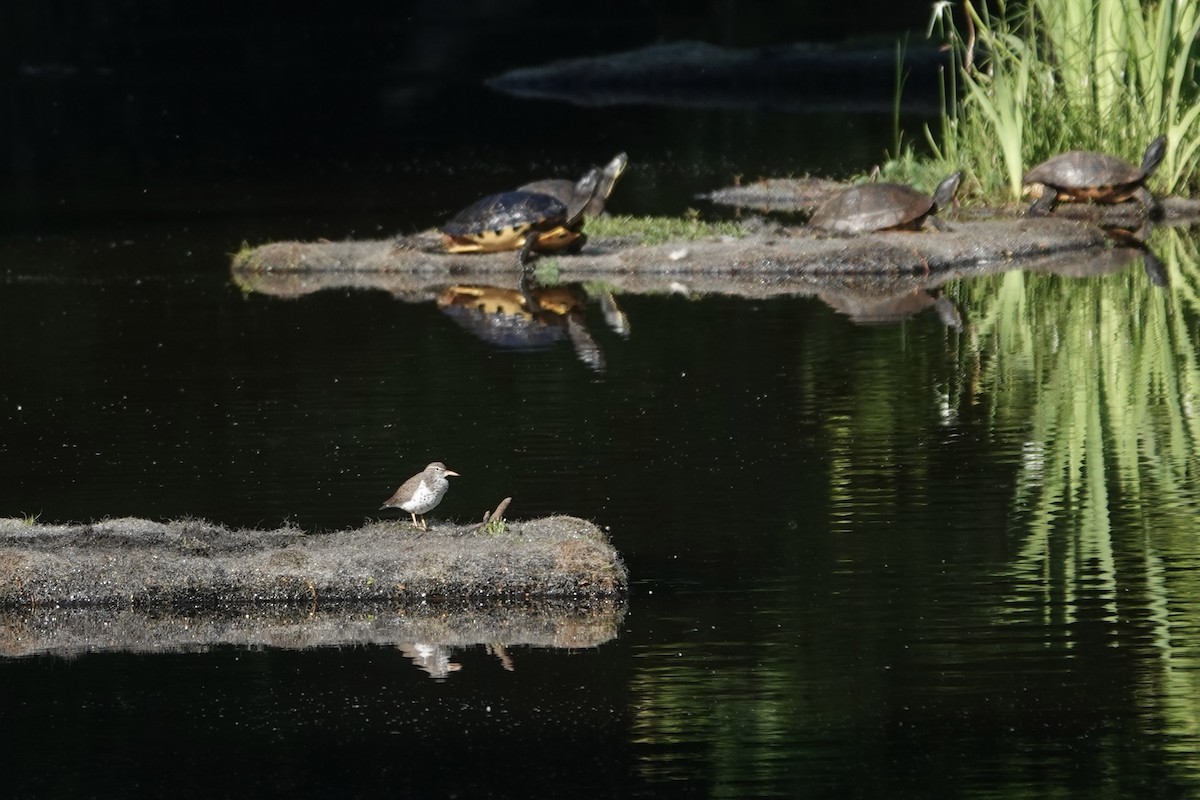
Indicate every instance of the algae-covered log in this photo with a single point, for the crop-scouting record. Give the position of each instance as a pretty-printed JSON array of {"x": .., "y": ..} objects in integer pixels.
[
  {"x": 769, "y": 253},
  {"x": 139, "y": 563}
]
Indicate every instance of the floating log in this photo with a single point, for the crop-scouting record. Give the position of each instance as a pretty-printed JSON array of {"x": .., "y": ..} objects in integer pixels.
[
  {"x": 805, "y": 194},
  {"x": 787, "y": 77},
  {"x": 772, "y": 254},
  {"x": 138, "y": 563}
]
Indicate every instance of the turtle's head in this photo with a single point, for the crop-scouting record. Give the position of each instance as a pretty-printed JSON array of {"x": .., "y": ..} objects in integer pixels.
[
  {"x": 613, "y": 170},
  {"x": 943, "y": 196},
  {"x": 1154, "y": 155},
  {"x": 1033, "y": 189}
]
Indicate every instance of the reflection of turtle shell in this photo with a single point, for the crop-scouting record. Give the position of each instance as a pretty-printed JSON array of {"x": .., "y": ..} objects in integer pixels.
[
  {"x": 503, "y": 318},
  {"x": 882, "y": 206}
]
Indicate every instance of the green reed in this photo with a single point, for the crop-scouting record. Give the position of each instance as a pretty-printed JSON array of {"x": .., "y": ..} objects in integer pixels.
[{"x": 1035, "y": 78}]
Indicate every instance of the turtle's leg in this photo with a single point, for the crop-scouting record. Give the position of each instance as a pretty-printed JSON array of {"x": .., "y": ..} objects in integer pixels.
[
  {"x": 1045, "y": 203},
  {"x": 937, "y": 223},
  {"x": 526, "y": 289},
  {"x": 1149, "y": 202},
  {"x": 523, "y": 257}
]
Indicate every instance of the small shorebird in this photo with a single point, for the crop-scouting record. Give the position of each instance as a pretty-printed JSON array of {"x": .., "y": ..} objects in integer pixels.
[{"x": 421, "y": 493}]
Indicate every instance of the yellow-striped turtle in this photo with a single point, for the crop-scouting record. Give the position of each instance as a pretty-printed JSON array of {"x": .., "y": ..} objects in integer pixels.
[
  {"x": 1080, "y": 175},
  {"x": 883, "y": 207},
  {"x": 522, "y": 220}
]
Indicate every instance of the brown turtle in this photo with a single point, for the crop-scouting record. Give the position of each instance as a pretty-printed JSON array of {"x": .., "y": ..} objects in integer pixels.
[
  {"x": 883, "y": 207},
  {"x": 1081, "y": 175}
]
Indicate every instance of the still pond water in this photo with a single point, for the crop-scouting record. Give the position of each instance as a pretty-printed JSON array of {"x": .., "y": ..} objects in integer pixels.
[{"x": 887, "y": 560}]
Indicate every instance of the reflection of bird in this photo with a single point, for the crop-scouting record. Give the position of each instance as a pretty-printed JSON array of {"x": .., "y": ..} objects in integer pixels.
[
  {"x": 421, "y": 493},
  {"x": 433, "y": 658}
]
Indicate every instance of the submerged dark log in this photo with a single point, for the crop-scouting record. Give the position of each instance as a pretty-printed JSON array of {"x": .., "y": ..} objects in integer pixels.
[
  {"x": 139, "y": 563},
  {"x": 702, "y": 75}
]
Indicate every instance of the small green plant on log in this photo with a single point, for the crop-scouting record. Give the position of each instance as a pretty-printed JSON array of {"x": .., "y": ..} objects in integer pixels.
[
  {"x": 493, "y": 522},
  {"x": 494, "y": 527}
]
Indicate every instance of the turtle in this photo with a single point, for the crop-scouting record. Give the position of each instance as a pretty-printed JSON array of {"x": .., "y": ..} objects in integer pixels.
[
  {"x": 565, "y": 190},
  {"x": 883, "y": 207},
  {"x": 522, "y": 220},
  {"x": 1086, "y": 175}
]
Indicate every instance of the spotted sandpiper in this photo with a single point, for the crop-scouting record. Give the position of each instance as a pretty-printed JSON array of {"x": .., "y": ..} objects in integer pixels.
[{"x": 421, "y": 493}]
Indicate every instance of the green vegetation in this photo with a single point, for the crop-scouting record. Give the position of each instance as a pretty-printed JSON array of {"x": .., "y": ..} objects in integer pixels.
[
  {"x": 547, "y": 271},
  {"x": 656, "y": 230},
  {"x": 1106, "y": 370},
  {"x": 1044, "y": 76},
  {"x": 495, "y": 526}
]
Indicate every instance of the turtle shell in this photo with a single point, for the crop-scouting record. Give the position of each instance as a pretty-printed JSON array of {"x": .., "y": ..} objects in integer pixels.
[
  {"x": 561, "y": 189},
  {"x": 1087, "y": 175},
  {"x": 873, "y": 207},
  {"x": 506, "y": 215},
  {"x": 1083, "y": 169}
]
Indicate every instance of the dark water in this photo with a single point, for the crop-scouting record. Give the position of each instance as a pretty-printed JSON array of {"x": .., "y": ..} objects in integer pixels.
[{"x": 892, "y": 560}]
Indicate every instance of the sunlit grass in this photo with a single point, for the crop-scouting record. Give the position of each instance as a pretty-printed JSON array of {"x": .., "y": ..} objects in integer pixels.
[
  {"x": 656, "y": 230},
  {"x": 1032, "y": 79}
]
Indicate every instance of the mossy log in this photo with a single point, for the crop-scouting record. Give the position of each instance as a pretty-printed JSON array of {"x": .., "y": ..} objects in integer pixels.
[
  {"x": 774, "y": 254},
  {"x": 137, "y": 563},
  {"x": 805, "y": 194}
]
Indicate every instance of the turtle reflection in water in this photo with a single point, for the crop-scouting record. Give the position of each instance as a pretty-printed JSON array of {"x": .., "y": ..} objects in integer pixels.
[
  {"x": 545, "y": 216},
  {"x": 1083, "y": 175},
  {"x": 530, "y": 317}
]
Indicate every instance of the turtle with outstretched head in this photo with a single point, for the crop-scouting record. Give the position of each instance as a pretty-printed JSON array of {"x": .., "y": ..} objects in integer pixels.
[
  {"x": 883, "y": 207},
  {"x": 521, "y": 220},
  {"x": 566, "y": 190},
  {"x": 1084, "y": 175}
]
